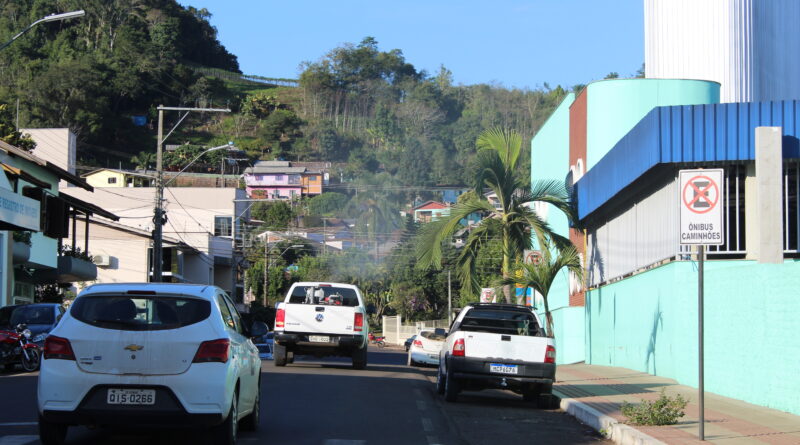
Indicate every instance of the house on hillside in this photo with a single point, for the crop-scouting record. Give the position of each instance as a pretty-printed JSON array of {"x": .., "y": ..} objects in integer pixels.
[
  {"x": 430, "y": 211},
  {"x": 280, "y": 180},
  {"x": 110, "y": 177}
]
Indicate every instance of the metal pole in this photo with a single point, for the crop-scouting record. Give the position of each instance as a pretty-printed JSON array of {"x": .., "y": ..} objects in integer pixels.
[
  {"x": 449, "y": 299},
  {"x": 158, "y": 216},
  {"x": 266, "y": 270},
  {"x": 701, "y": 253}
]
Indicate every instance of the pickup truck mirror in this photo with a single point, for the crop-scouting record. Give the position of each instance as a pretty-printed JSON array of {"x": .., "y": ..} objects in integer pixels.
[
  {"x": 258, "y": 329},
  {"x": 371, "y": 309}
]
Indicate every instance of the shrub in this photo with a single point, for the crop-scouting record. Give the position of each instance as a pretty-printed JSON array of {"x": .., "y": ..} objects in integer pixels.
[{"x": 665, "y": 410}]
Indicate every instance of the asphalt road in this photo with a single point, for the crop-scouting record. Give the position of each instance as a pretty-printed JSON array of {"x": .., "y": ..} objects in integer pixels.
[{"x": 326, "y": 402}]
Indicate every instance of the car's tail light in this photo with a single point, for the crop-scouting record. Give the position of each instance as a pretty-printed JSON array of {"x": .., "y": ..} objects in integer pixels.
[
  {"x": 280, "y": 318},
  {"x": 458, "y": 348},
  {"x": 358, "y": 322},
  {"x": 417, "y": 343},
  {"x": 58, "y": 348},
  {"x": 550, "y": 355},
  {"x": 213, "y": 351}
]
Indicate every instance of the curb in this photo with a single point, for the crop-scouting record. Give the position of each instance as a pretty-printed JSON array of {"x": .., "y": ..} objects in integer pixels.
[{"x": 608, "y": 426}]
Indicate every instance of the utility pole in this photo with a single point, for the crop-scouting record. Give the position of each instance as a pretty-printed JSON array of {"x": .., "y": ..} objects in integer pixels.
[
  {"x": 266, "y": 270},
  {"x": 159, "y": 218},
  {"x": 449, "y": 299}
]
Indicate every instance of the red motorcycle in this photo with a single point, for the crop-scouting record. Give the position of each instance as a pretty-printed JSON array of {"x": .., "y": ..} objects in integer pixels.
[
  {"x": 380, "y": 341},
  {"x": 16, "y": 347}
]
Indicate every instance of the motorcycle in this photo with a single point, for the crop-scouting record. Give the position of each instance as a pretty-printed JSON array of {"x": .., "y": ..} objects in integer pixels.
[
  {"x": 16, "y": 347},
  {"x": 380, "y": 341}
]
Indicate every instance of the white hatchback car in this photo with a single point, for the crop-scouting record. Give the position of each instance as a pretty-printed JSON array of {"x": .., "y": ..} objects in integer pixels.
[
  {"x": 426, "y": 346},
  {"x": 150, "y": 354}
]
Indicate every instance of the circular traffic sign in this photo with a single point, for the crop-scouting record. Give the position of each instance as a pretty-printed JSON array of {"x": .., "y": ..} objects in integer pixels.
[{"x": 700, "y": 194}]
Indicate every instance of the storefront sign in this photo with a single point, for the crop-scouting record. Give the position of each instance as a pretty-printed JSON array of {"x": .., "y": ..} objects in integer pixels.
[{"x": 19, "y": 210}]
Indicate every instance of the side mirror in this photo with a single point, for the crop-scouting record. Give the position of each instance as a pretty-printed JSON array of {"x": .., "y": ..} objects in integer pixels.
[
  {"x": 371, "y": 309},
  {"x": 258, "y": 329}
]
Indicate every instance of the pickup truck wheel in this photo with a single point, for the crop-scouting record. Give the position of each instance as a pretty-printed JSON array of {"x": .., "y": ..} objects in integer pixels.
[
  {"x": 51, "y": 433},
  {"x": 531, "y": 393},
  {"x": 360, "y": 358},
  {"x": 440, "y": 381},
  {"x": 290, "y": 357},
  {"x": 279, "y": 355},
  {"x": 451, "y": 387}
]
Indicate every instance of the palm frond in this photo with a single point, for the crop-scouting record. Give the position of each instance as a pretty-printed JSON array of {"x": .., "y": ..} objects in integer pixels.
[
  {"x": 507, "y": 143},
  {"x": 429, "y": 244}
]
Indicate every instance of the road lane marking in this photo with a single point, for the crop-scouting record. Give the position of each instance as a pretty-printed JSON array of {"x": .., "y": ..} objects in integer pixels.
[
  {"x": 427, "y": 425},
  {"x": 421, "y": 405},
  {"x": 341, "y": 442},
  {"x": 18, "y": 440},
  {"x": 433, "y": 440},
  {"x": 18, "y": 423}
]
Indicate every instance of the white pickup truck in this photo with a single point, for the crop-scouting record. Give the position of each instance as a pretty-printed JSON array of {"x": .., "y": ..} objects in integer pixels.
[
  {"x": 497, "y": 346},
  {"x": 321, "y": 319}
]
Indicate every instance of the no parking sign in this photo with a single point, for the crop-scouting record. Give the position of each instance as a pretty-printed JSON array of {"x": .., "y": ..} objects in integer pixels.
[{"x": 701, "y": 201}]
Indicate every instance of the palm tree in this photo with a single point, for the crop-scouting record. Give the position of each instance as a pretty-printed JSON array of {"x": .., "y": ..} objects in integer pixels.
[
  {"x": 512, "y": 221},
  {"x": 540, "y": 276},
  {"x": 143, "y": 160}
]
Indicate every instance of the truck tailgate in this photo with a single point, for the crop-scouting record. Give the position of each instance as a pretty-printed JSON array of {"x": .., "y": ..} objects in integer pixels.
[
  {"x": 500, "y": 347},
  {"x": 322, "y": 319}
]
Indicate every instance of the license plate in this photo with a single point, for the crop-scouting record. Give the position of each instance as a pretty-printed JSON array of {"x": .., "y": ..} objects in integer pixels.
[
  {"x": 502, "y": 369},
  {"x": 131, "y": 396},
  {"x": 319, "y": 338}
]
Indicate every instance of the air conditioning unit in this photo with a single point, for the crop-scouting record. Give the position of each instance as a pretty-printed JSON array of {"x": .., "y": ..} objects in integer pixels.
[{"x": 102, "y": 260}]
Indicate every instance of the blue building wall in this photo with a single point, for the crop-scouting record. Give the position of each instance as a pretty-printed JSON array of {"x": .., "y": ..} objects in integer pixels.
[
  {"x": 686, "y": 134},
  {"x": 648, "y": 322}
]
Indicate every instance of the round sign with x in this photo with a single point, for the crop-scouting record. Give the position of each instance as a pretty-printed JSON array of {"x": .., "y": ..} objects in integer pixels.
[{"x": 700, "y": 194}]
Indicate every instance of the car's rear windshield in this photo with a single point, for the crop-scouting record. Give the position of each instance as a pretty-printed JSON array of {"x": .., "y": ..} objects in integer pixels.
[
  {"x": 434, "y": 335},
  {"x": 33, "y": 314},
  {"x": 139, "y": 312},
  {"x": 509, "y": 322},
  {"x": 324, "y": 295}
]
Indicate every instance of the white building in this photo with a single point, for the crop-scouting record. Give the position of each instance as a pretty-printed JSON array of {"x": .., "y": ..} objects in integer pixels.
[
  {"x": 748, "y": 46},
  {"x": 207, "y": 220}
]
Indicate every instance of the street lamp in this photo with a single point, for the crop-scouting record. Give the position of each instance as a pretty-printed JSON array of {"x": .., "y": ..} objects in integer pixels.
[
  {"x": 49, "y": 18},
  {"x": 267, "y": 265}
]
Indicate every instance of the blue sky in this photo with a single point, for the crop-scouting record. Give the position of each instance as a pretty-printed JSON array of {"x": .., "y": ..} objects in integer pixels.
[{"x": 510, "y": 42}]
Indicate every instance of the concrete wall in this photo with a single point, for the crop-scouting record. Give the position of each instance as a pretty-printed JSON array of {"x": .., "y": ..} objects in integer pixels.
[
  {"x": 128, "y": 254},
  {"x": 648, "y": 322}
]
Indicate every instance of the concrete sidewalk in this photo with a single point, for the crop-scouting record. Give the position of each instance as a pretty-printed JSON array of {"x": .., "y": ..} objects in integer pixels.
[{"x": 594, "y": 394}]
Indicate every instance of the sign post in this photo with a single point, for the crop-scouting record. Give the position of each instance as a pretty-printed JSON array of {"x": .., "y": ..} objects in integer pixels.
[{"x": 701, "y": 202}]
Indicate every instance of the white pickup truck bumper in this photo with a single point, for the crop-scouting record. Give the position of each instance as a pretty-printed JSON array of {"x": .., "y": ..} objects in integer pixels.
[{"x": 478, "y": 371}]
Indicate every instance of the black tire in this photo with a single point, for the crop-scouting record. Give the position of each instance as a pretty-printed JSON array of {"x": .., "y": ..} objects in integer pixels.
[
  {"x": 381, "y": 344},
  {"x": 51, "y": 433},
  {"x": 451, "y": 387},
  {"x": 532, "y": 392},
  {"x": 279, "y": 355},
  {"x": 225, "y": 433},
  {"x": 289, "y": 357},
  {"x": 547, "y": 401},
  {"x": 360, "y": 358},
  {"x": 250, "y": 423},
  {"x": 440, "y": 379},
  {"x": 31, "y": 364}
]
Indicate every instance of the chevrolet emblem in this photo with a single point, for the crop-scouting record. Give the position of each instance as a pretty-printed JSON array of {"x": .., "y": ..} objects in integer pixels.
[{"x": 134, "y": 348}]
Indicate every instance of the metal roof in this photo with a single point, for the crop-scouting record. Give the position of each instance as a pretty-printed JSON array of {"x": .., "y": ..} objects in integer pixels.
[
  {"x": 258, "y": 169},
  {"x": 691, "y": 134}
]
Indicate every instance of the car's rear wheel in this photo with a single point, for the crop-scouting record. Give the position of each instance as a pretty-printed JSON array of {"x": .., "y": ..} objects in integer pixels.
[
  {"x": 279, "y": 355},
  {"x": 250, "y": 423},
  {"x": 31, "y": 362},
  {"x": 451, "y": 387},
  {"x": 440, "y": 379},
  {"x": 289, "y": 357},
  {"x": 51, "y": 433},
  {"x": 225, "y": 433},
  {"x": 532, "y": 392},
  {"x": 360, "y": 358}
]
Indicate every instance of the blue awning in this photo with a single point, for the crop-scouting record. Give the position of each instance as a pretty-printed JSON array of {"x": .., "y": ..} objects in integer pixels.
[{"x": 692, "y": 134}]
